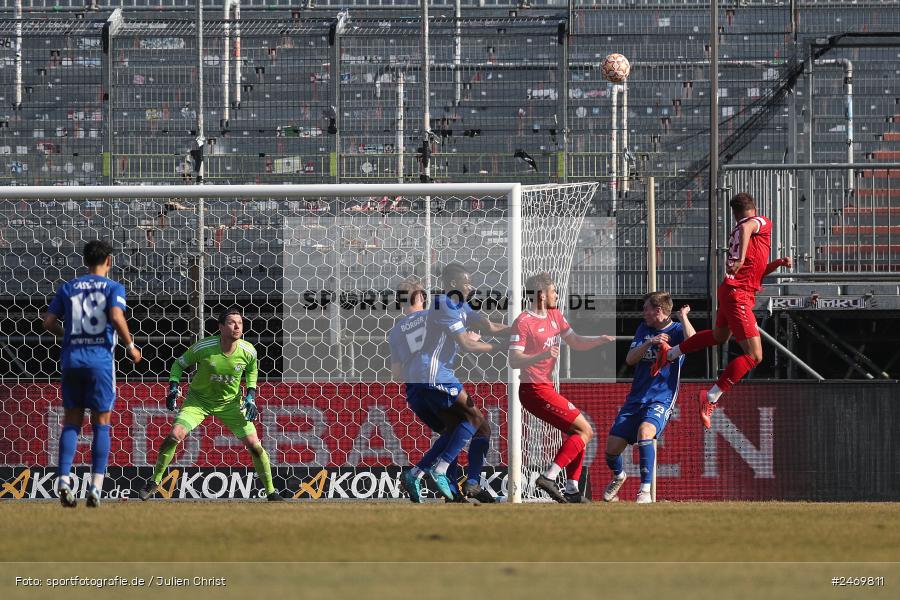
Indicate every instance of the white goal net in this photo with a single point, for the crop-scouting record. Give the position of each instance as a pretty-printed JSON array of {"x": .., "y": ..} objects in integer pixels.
[{"x": 314, "y": 269}]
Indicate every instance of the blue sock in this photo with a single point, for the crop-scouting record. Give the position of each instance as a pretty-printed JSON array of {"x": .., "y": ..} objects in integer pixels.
[
  {"x": 458, "y": 440},
  {"x": 68, "y": 439},
  {"x": 428, "y": 459},
  {"x": 615, "y": 463},
  {"x": 100, "y": 449},
  {"x": 478, "y": 449},
  {"x": 648, "y": 456}
]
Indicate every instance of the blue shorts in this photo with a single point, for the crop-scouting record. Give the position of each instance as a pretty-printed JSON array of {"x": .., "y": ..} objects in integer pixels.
[
  {"x": 447, "y": 383},
  {"x": 87, "y": 387},
  {"x": 416, "y": 395},
  {"x": 439, "y": 397},
  {"x": 633, "y": 414}
]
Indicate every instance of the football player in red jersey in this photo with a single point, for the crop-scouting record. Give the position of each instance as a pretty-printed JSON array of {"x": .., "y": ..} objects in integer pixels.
[
  {"x": 748, "y": 262},
  {"x": 534, "y": 347}
]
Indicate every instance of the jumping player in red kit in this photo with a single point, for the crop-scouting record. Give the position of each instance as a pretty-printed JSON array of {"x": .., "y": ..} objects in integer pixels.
[
  {"x": 748, "y": 254},
  {"x": 534, "y": 347}
]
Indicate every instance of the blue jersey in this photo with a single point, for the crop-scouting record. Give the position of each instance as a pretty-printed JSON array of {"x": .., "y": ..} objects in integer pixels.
[
  {"x": 446, "y": 319},
  {"x": 406, "y": 339},
  {"x": 664, "y": 387},
  {"x": 84, "y": 305}
]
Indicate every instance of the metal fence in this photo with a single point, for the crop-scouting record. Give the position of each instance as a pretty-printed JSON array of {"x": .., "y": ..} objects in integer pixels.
[
  {"x": 831, "y": 218},
  {"x": 312, "y": 98},
  {"x": 298, "y": 95}
]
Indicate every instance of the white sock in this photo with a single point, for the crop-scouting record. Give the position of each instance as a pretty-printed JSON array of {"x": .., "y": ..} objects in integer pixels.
[
  {"x": 619, "y": 476},
  {"x": 441, "y": 466},
  {"x": 417, "y": 472},
  {"x": 97, "y": 480},
  {"x": 64, "y": 480},
  {"x": 571, "y": 486},
  {"x": 552, "y": 471},
  {"x": 674, "y": 353},
  {"x": 645, "y": 488},
  {"x": 713, "y": 394}
]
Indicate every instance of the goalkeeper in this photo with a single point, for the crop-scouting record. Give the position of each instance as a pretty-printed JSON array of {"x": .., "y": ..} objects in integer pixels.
[{"x": 215, "y": 389}]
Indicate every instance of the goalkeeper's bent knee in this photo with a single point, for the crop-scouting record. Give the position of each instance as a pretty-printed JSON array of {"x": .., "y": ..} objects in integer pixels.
[{"x": 257, "y": 449}]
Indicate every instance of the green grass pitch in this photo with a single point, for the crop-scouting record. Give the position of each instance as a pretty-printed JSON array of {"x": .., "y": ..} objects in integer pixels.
[{"x": 360, "y": 549}]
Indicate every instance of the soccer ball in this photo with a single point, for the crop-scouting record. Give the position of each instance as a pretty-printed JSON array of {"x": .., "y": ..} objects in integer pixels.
[{"x": 615, "y": 68}]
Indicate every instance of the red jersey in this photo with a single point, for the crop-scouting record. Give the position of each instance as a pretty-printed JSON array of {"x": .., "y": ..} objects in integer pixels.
[
  {"x": 532, "y": 334},
  {"x": 751, "y": 273}
]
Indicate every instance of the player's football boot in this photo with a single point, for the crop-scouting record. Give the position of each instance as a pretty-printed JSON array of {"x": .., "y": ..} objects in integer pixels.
[
  {"x": 549, "y": 486},
  {"x": 274, "y": 497},
  {"x": 67, "y": 496},
  {"x": 148, "y": 490},
  {"x": 412, "y": 486},
  {"x": 441, "y": 483},
  {"x": 458, "y": 498},
  {"x": 706, "y": 409},
  {"x": 93, "y": 497},
  {"x": 611, "y": 493},
  {"x": 644, "y": 498},
  {"x": 473, "y": 490},
  {"x": 576, "y": 498},
  {"x": 662, "y": 359}
]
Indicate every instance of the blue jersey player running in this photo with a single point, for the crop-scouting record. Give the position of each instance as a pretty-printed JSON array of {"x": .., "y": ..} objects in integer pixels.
[
  {"x": 449, "y": 326},
  {"x": 92, "y": 310},
  {"x": 406, "y": 339},
  {"x": 648, "y": 405}
]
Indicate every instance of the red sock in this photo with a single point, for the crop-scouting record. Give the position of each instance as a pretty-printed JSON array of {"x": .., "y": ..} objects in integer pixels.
[
  {"x": 573, "y": 469},
  {"x": 698, "y": 341},
  {"x": 569, "y": 451},
  {"x": 734, "y": 371}
]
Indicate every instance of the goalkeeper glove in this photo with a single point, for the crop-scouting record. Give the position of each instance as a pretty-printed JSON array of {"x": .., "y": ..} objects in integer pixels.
[
  {"x": 250, "y": 409},
  {"x": 172, "y": 396}
]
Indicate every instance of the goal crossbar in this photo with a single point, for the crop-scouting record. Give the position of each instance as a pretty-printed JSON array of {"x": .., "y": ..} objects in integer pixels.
[{"x": 343, "y": 190}]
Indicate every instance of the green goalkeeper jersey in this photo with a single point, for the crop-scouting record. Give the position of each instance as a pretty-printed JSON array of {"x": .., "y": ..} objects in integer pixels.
[{"x": 217, "y": 380}]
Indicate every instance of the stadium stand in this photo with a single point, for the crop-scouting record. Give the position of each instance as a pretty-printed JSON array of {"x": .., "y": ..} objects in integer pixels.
[{"x": 130, "y": 116}]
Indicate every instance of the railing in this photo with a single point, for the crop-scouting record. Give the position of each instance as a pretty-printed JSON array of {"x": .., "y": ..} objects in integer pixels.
[{"x": 836, "y": 220}]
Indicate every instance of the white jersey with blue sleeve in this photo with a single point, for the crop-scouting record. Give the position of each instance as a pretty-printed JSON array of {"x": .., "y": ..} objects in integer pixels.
[
  {"x": 406, "y": 339},
  {"x": 84, "y": 305},
  {"x": 664, "y": 387}
]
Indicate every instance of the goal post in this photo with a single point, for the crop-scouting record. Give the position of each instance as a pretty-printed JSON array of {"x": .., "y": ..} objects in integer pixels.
[
  {"x": 514, "y": 410},
  {"x": 264, "y": 247}
]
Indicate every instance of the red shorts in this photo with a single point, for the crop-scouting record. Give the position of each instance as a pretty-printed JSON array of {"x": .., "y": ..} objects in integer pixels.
[
  {"x": 543, "y": 401},
  {"x": 736, "y": 312}
]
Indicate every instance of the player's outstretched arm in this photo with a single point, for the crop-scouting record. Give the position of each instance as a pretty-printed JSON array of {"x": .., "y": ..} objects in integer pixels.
[
  {"x": 586, "y": 342},
  {"x": 519, "y": 360},
  {"x": 784, "y": 261},
  {"x": 52, "y": 324},
  {"x": 175, "y": 378},
  {"x": 178, "y": 367},
  {"x": 181, "y": 363},
  {"x": 54, "y": 311},
  {"x": 685, "y": 321},
  {"x": 117, "y": 317},
  {"x": 470, "y": 343},
  {"x": 251, "y": 411},
  {"x": 494, "y": 328},
  {"x": 186, "y": 360},
  {"x": 251, "y": 374}
]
